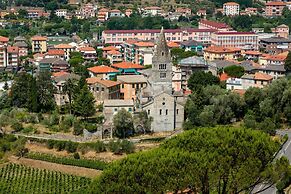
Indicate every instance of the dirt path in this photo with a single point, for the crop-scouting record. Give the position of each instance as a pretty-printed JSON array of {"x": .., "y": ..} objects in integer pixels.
[{"x": 74, "y": 170}]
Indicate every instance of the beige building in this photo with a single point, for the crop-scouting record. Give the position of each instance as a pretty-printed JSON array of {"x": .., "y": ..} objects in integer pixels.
[
  {"x": 39, "y": 44},
  {"x": 130, "y": 84},
  {"x": 281, "y": 31},
  {"x": 221, "y": 53},
  {"x": 231, "y": 8}
]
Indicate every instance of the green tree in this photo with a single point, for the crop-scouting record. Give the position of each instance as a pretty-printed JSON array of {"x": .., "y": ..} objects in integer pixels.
[
  {"x": 234, "y": 71},
  {"x": 201, "y": 79},
  {"x": 143, "y": 120},
  {"x": 69, "y": 89},
  {"x": 45, "y": 91},
  {"x": 287, "y": 63},
  {"x": 222, "y": 160},
  {"x": 123, "y": 123},
  {"x": 84, "y": 103}
]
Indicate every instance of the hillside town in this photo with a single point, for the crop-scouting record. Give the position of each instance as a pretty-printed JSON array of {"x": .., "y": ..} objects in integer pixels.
[{"x": 156, "y": 85}]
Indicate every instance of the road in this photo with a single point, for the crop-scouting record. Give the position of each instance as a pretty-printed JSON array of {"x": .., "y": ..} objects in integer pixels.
[{"x": 285, "y": 151}]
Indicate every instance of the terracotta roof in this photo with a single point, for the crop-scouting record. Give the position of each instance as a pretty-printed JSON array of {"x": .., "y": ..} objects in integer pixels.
[
  {"x": 231, "y": 3},
  {"x": 88, "y": 48},
  {"x": 107, "y": 83},
  {"x": 131, "y": 41},
  {"x": 12, "y": 49},
  {"x": 39, "y": 38},
  {"x": 220, "y": 49},
  {"x": 55, "y": 52},
  {"x": 144, "y": 44},
  {"x": 103, "y": 10},
  {"x": 109, "y": 48},
  {"x": 61, "y": 73},
  {"x": 173, "y": 45},
  {"x": 275, "y": 3},
  {"x": 224, "y": 77},
  {"x": 262, "y": 76},
  {"x": 102, "y": 69},
  {"x": 38, "y": 55},
  {"x": 235, "y": 33},
  {"x": 214, "y": 24},
  {"x": 127, "y": 65},
  {"x": 153, "y": 8},
  {"x": 113, "y": 52},
  {"x": 241, "y": 92},
  {"x": 253, "y": 53},
  {"x": 157, "y": 31},
  {"x": 275, "y": 57},
  {"x": 63, "y": 46},
  {"x": 4, "y": 39}
]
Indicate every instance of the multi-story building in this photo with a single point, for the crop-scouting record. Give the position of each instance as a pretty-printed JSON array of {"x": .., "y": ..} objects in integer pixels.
[
  {"x": 89, "y": 53},
  {"x": 242, "y": 40},
  {"x": 275, "y": 45},
  {"x": 221, "y": 53},
  {"x": 231, "y": 8},
  {"x": 67, "y": 48},
  {"x": 152, "y": 11},
  {"x": 103, "y": 89},
  {"x": 88, "y": 10},
  {"x": 251, "y": 11},
  {"x": 130, "y": 85},
  {"x": 274, "y": 8},
  {"x": 207, "y": 24},
  {"x": 103, "y": 72},
  {"x": 184, "y": 11},
  {"x": 114, "y": 56},
  {"x": 37, "y": 13},
  {"x": 12, "y": 56},
  {"x": 20, "y": 42},
  {"x": 103, "y": 15},
  {"x": 281, "y": 31},
  {"x": 53, "y": 65},
  {"x": 61, "y": 12},
  {"x": 55, "y": 53},
  {"x": 117, "y": 37},
  {"x": 116, "y": 13},
  {"x": 39, "y": 44}
]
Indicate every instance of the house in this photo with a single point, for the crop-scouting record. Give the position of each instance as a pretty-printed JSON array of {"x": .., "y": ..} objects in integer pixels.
[
  {"x": 276, "y": 71},
  {"x": 275, "y": 45},
  {"x": 252, "y": 55},
  {"x": 39, "y": 44},
  {"x": 152, "y": 11},
  {"x": 103, "y": 15},
  {"x": 251, "y": 11},
  {"x": 192, "y": 45},
  {"x": 115, "y": 13},
  {"x": 190, "y": 65},
  {"x": 128, "y": 12},
  {"x": 13, "y": 56},
  {"x": 221, "y": 53},
  {"x": 230, "y": 9},
  {"x": 107, "y": 49},
  {"x": 114, "y": 56},
  {"x": 88, "y": 53},
  {"x": 208, "y": 24},
  {"x": 67, "y": 48},
  {"x": 59, "y": 80},
  {"x": 281, "y": 31},
  {"x": 130, "y": 84},
  {"x": 103, "y": 89},
  {"x": 184, "y": 11},
  {"x": 111, "y": 107},
  {"x": 274, "y": 8},
  {"x": 103, "y": 72},
  {"x": 258, "y": 80},
  {"x": 20, "y": 42},
  {"x": 242, "y": 40},
  {"x": 274, "y": 59},
  {"x": 61, "y": 12},
  {"x": 88, "y": 10},
  {"x": 36, "y": 13},
  {"x": 127, "y": 67},
  {"x": 53, "y": 65},
  {"x": 201, "y": 12},
  {"x": 54, "y": 53}
]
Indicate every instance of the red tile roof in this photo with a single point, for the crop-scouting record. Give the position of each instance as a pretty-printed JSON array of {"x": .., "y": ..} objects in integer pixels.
[
  {"x": 113, "y": 52},
  {"x": 55, "y": 52},
  {"x": 144, "y": 44},
  {"x": 275, "y": 3},
  {"x": 109, "y": 48},
  {"x": 127, "y": 65},
  {"x": 39, "y": 38},
  {"x": 87, "y": 48},
  {"x": 12, "y": 49},
  {"x": 102, "y": 69},
  {"x": 263, "y": 76},
  {"x": 214, "y": 24},
  {"x": 107, "y": 83},
  {"x": 63, "y": 46},
  {"x": 4, "y": 39},
  {"x": 220, "y": 49},
  {"x": 173, "y": 45},
  {"x": 231, "y": 3},
  {"x": 224, "y": 77},
  {"x": 61, "y": 73}
]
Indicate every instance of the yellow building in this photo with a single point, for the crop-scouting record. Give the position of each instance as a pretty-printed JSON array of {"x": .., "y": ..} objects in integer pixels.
[
  {"x": 130, "y": 85},
  {"x": 221, "y": 53},
  {"x": 39, "y": 44}
]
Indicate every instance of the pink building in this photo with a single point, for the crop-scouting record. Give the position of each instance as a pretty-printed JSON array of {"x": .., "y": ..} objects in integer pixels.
[
  {"x": 87, "y": 10},
  {"x": 281, "y": 31},
  {"x": 207, "y": 24},
  {"x": 185, "y": 11},
  {"x": 117, "y": 37},
  {"x": 274, "y": 8},
  {"x": 242, "y": 40}
]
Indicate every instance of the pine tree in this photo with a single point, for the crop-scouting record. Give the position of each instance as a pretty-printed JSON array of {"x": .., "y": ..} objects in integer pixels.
[{"x": 84, "y": 104}]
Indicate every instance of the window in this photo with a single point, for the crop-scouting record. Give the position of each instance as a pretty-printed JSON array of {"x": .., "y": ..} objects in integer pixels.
[
  {"x": 149, "y": 112},
  {"x": 115, "y": 110},
  {"x": 166, "y": 111},
  {"x": 129, "y": 109},
  {"x": 102, "y": 89},
  {"x": 160, "y": 111},
  {"x": 163, "y": 75},
  {"x": 122, "y": 85},
  {"x": 97, "y": 89},
  {"x": 133, "y": 86},
  {"x": 162, "y": 66},
  {"x": 177, "y": 111}
]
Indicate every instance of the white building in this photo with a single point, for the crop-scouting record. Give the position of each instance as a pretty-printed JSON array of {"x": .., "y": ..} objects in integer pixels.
[
  {"x": 61, "y": 12},
  {"x": 231, "y": 9}
]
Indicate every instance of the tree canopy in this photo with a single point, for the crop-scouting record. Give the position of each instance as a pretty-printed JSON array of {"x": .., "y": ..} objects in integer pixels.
[
  {"x": 205, "y": 160},
  {"x": 123, "y": 123},
  {"x": 234, "y": 71}
]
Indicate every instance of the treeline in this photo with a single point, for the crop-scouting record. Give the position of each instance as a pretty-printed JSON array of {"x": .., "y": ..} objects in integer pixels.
[{"x": 209, "y": 104}]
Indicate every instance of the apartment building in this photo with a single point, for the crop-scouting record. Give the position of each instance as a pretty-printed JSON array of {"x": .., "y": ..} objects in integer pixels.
[
  {"x": 242, "y": 40},
  {"x": 103, "y": 15},
  {"x": 39, "y": 44},
  {"x": 89, "y": 53},
  {"x": 130, "y": 85},
  {"x": 116, "y": 13},
  {"x": 88, "y": 10},
  {"x": 184, "y": 11},
  {"x": 117, "y": 37},
  {"x": 274, "y": 8},
  {"x": 36, "y": 13},
  {"x": 275, "y": 45},
  {"x": 114, "y": 56},
  {"x": 12, "y": 56},
  {"x": 208, "y": 24},
  {"x": 231, "y": 8},
  {"x": 67, "y": 48},
  {"x": 281, "y": 31},
  {"x": 61, "y": 12},
  {"x": 221, "y": 53},
  {"x": 152, "y": 11}
]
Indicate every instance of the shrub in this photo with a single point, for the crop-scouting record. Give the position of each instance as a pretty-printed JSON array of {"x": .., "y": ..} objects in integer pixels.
[
  {"x": 29, "y": 129},
  {"x": 78, "y": 129},
  {"x": 71, "y": 147},
  {"x": 127, "y": 146},
  {"x": 50, "y": 144},
  {"x": 114, "y": 147},
  {"x": 76, "y": 155},
  {"x": 99, "y": 146},
  {"x": 54, "y": 119},
  {"x": 17, "y": 126},
  {"x": 60, "y": 145}
]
